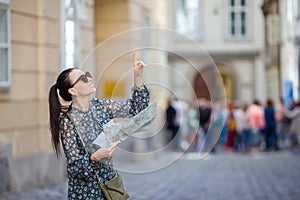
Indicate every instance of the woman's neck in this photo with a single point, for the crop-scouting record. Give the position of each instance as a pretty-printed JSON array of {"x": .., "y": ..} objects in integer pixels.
[{"x": 81, "y": 103}]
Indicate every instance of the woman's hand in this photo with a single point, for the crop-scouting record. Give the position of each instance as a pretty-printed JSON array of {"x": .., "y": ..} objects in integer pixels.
[
  {"x": 104, "y": 152},
  {"x": 138, "y": 71}
]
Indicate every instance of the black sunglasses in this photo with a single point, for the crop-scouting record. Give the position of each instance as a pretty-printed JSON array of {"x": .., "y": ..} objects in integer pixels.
[{"x": 83, "y": 77}]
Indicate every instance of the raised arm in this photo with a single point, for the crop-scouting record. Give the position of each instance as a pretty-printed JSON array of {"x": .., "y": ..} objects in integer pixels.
[
  {"x": 138, "y": 67},
  {"x": 140, "y": 95}
]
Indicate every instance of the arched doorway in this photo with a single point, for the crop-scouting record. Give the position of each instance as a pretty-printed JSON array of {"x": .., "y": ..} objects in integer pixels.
[
  {"x": 227, "y": 81},
  {"x": 201, "y": 83}
]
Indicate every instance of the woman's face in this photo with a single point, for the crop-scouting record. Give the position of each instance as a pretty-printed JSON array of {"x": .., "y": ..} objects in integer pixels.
[{"x": 81, "y": 87}]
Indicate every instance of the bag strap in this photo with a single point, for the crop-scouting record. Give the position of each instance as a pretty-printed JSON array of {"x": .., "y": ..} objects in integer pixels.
[{"x": 86, "y": 151}]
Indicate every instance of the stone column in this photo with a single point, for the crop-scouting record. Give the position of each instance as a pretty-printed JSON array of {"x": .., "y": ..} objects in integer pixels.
[{"x": 260, "y": 80}]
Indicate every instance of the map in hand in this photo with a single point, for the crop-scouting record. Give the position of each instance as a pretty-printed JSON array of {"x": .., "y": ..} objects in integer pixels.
[{"x": 122, "y": 128}]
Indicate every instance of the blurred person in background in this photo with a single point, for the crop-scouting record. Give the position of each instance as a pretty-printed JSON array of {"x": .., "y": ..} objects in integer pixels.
[
  {"x": 294, "y": 115},
  {"x": 224, "y": 131},
  {"x": 79, "y": 125},
  {"x": 204, "y": 114},
  {"x": 246, "y": 130},
  {"x": 193, "y": 125},
  {"x": 257, "y": 123},
  {"x": 238, "y": 114},
  {"x": 283, "y": 123},
  {"x": 172, "y": 122},
  {"x": 270, "y": 127},
  {"x": 231, "y": 124},
  {"x": 292, "y": 104},
  {"x": 181, "y": 108}
]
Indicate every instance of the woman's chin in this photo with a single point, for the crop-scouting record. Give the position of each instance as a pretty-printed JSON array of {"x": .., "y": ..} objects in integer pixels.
[
  {"x": 93, "y": 87},
  {"x": 93, "y": 90}
]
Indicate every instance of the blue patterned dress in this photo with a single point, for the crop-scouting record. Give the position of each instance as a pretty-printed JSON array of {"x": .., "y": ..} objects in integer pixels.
[{"x": 82, "y": 181}]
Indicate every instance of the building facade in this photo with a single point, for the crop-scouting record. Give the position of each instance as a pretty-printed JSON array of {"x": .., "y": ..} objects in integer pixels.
[
  {"x": 290, "y": 48},
  {"x": 30, "y": 61},
  {"x": 232, "y": 34},
  {"x": 282, "y": 48}
]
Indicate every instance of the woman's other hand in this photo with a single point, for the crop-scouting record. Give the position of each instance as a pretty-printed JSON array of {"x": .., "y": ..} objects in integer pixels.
[{"x": 104, "y": 152}]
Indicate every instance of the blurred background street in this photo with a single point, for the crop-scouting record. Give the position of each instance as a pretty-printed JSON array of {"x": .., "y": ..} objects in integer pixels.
[{"x": 219, "y": 176}]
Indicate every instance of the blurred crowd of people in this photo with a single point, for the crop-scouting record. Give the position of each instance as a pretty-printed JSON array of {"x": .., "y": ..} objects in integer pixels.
[
  {"x": 185, "y": 123},
  {"x": 265, "y": 127}
]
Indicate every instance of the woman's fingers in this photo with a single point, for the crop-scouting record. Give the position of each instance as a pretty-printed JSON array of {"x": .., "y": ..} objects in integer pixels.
[
  {"x": 137, "y": 64},
  {"x": 140, "y": 64},
  {"x": 114, "y": 145},
  {"x": 134, "y": 59}
]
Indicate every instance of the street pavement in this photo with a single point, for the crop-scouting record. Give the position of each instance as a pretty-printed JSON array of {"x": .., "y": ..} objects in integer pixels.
[{"x": 219, "y": 176}]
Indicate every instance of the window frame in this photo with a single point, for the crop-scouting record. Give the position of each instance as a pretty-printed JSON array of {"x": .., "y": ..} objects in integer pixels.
[
  {"x": 77, "y": 44},
  {"x": 228, "y": 23},
  {"x": 7, "y": 2},
  {"x": 297, "y": 21},
  {"x": 5, "y": 84},
  {"x": 195, "y": 35}
]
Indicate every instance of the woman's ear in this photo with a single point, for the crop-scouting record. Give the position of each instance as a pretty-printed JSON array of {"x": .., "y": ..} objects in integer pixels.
[{"x": 72, "y": 91}]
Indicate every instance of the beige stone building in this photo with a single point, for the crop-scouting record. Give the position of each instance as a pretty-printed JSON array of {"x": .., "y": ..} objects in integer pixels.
[
  {"x": 38, "y": 39},
  {"x": 32, "y": 52}
]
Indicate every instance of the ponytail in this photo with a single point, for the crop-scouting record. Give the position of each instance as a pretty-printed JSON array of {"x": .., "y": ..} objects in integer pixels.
[
  {"x": 54, "y": 111},
  {"x": 55, "y": 108}
]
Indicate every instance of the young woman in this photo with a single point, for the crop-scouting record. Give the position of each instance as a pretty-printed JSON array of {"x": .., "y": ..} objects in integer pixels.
[{"x": 76, "y": 127}]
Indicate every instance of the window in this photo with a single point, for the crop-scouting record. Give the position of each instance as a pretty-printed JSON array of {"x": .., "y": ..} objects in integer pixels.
[
  {"x": 72, "y": 47},
  {"x": 297, "y": 21},
  {"x": 188, "y": 17},
  {"x": 4, "y": 44},
  {"x": 238, "y": 19},
  {"x": 74, "y": 12}
]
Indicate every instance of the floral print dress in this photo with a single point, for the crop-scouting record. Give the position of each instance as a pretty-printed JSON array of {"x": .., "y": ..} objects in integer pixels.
[{"x": 82, "y": 181}]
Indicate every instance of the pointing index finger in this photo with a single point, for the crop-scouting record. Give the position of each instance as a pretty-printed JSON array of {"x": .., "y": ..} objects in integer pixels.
[{"x": 134, "y": 58}]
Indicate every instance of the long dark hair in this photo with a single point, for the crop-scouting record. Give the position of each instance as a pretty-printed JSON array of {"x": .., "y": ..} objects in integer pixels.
[{"x": 62, "y": 85}]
